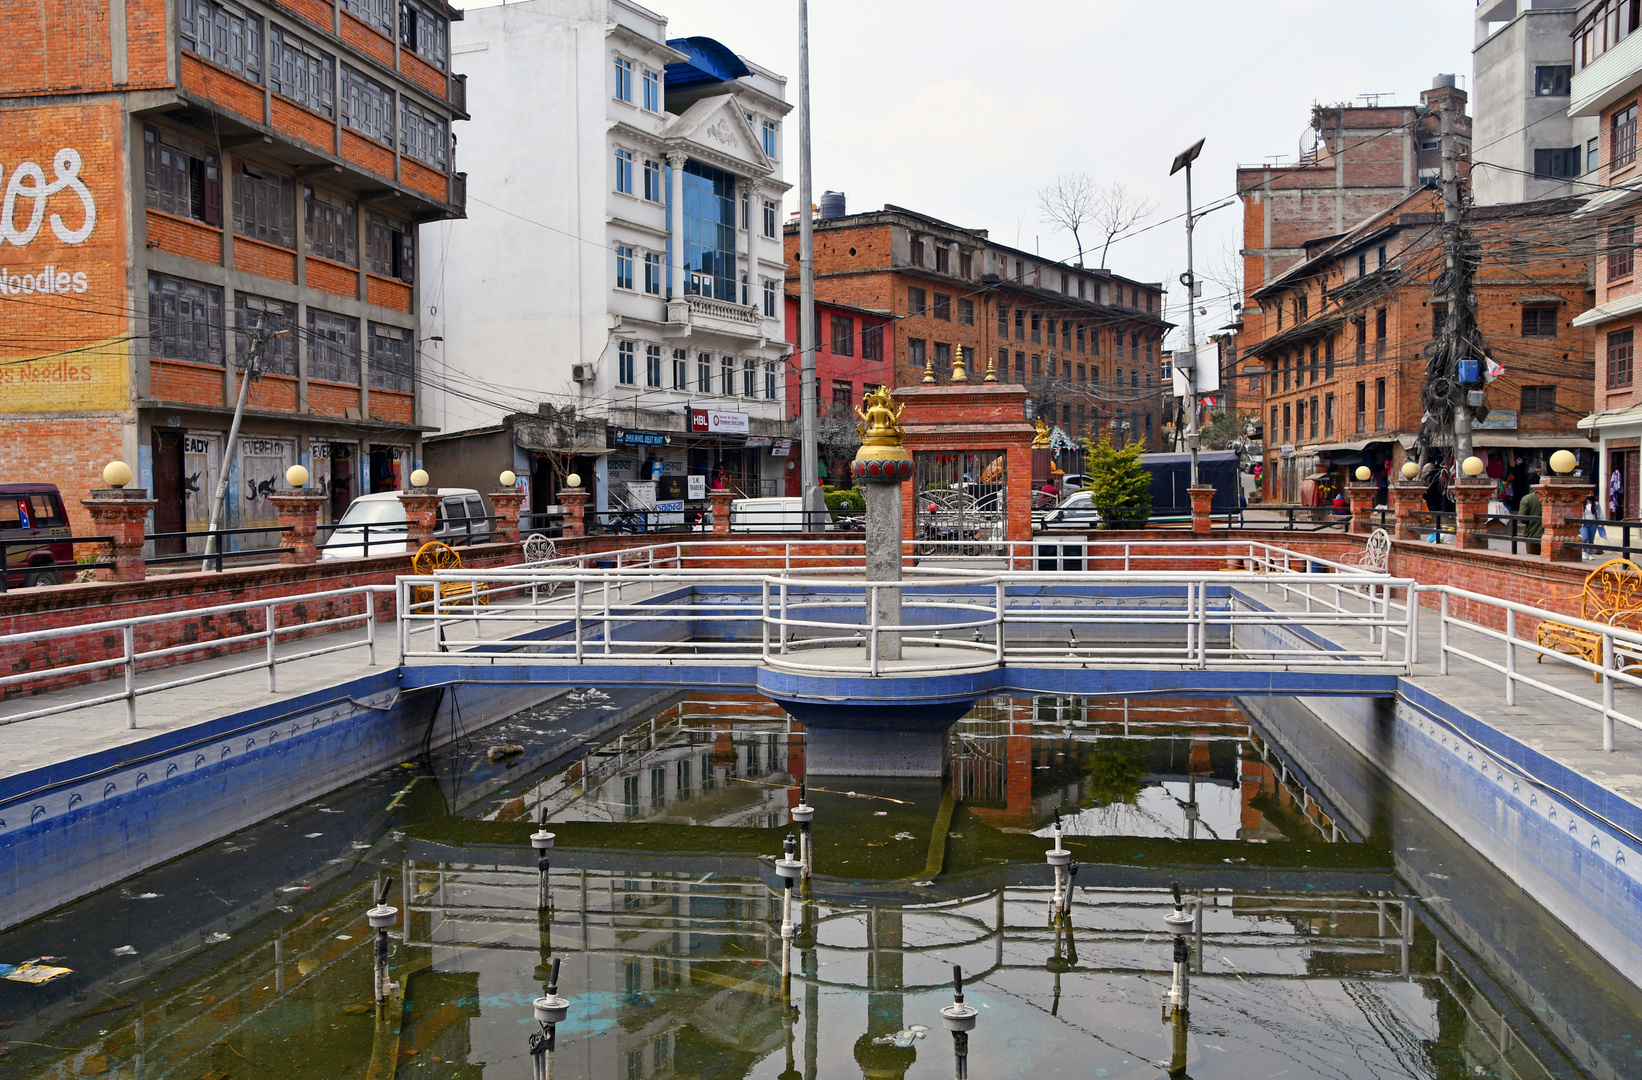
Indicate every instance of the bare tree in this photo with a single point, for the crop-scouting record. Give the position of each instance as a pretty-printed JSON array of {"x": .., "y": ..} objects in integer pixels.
[
  {"x": 1070, "y": 203},
  {"x": 1117, "y": 210}
]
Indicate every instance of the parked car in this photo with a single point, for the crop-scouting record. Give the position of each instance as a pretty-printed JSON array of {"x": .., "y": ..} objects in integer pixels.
[
  {"x": 1076, "y": 511},
  {"x": 31, "y": 516},
  {"x": 783, "y": 513},
  {"x": 462, "y": 519}
]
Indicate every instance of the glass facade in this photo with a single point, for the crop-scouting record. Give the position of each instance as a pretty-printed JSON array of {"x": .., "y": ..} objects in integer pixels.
[{"x": 709, "y": 232}]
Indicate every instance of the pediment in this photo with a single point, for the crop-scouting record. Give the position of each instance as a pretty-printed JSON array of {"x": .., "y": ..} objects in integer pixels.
[{"x": 717, "y": 128}]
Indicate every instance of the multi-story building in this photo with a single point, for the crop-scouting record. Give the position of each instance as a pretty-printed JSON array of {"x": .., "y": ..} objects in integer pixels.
[
  {"x": 1345, "y": 363},
  {"x": 197, "y": 188},
  {"x": 1607, "y": 86},
  {"x": 853, "y": 351},
  {"x": 1527, "y": 145},
  {"x": 1085, "y": 343},
  {"x": 623, "y": 260}
]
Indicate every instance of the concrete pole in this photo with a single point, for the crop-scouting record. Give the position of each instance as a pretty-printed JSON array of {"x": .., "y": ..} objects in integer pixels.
[
  {"x": 1192, "y": 438},
  {"x": 884, "y": 559},
  {"x": 1457, "y": 289},
  {"x": 809, "y": 486}
]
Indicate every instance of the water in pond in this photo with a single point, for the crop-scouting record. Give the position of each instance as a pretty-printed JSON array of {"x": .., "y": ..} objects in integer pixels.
[{"x": 1313, "y": 955}]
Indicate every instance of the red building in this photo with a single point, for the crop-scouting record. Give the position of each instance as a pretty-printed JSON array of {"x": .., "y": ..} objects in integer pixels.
[{"x": 854, "y": 352}]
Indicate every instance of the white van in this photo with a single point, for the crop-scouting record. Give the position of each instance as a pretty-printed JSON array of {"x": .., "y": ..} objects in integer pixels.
[
  {"x": 781, "y": 514},
  {"x": 380, "y": 517}
]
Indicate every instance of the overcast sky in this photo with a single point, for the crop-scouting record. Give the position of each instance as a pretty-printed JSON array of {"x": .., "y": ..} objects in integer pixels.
[{"x": 964, "y": 109}]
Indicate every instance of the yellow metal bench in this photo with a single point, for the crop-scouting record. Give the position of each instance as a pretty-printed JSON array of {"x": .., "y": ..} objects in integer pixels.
[
  {"x": 435, "y": 555},
  {"x": 1612, "y": 594}
]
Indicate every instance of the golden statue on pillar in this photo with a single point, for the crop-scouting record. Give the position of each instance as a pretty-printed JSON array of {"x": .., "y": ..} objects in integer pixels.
[
  {"x": 1041, "y": 439},
  {"x": 881, "y": 458}
]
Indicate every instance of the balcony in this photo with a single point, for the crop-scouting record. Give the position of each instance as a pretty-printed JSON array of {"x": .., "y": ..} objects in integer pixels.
[
  {"x": 1607, "y": 78},
  {"x": 706, "y": 315},
  {"x": 458, "y": 96},
  {"x": 459, "y": 193}
]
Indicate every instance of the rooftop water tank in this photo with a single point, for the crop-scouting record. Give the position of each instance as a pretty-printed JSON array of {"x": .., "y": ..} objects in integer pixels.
[{"x": 832, "y": 204}]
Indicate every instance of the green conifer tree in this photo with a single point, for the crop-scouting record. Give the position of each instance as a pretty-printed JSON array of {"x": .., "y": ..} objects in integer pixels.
[{"x": 1119, "y": 484}]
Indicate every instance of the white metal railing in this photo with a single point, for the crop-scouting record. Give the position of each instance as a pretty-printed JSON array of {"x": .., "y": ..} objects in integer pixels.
[{"x": 131, "y": 659}]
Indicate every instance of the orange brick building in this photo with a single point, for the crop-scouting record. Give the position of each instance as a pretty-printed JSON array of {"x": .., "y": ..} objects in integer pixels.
[
  {"x": 1085, "y": 343},
  {"x": 1345, "y": 359},
  {"x": 188, "y": 179}
]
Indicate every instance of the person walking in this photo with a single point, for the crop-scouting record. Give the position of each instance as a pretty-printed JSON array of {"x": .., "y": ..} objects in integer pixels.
[
  {"x": 1589, "y": 530},
  {"x": 1530, "y": 508}
]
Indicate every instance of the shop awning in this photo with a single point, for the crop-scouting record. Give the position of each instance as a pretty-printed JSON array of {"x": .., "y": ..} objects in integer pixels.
[{"x": 1348, "y": 446}]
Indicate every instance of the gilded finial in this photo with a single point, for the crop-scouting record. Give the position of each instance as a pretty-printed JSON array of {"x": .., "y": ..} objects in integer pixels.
[
  {"x": 878, "y": 426},
  {"x": 929, "y": 369},
  {"x": 991, "y": 370},
  {"x": 959, "y": 375},
  {"x": 1041, "y": 439}
]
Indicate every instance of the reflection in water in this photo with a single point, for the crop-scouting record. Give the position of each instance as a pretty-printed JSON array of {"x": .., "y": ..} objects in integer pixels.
[{"x": 1308, "y": 956}]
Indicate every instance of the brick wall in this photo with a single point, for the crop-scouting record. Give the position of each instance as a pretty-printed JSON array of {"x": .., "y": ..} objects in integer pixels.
[
  {"x": 298, "y": 123},
  {"x": 418, "y": 177},
  {"x": 332, "y": 277},
  {"x": 423, "y": 74},
  {"x": 362, "y": 151},
  {"x": 332, "y": 399},
  {"x": 388, "y": 405},
  {"x": 69, "y": 451},
  {"x": 223, "y": 87},
  {"x": 318, "y": 12},
  {"x": 183, "y": 382},
  {"x": 264, "y": 260},
  {"x": 367, "y": 39},
  {"x": 181, "y": 236},
  {"x": 272, "y": 393},
  {"x": 388, "y": 293}
]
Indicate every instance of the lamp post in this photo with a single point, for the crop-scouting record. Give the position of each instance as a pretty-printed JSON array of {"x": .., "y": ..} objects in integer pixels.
[{"x": 1183, "y": 160}]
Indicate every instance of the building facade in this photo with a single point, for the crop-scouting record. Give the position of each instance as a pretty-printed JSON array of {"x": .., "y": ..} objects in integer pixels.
[
  {"x": 623, "y": 262},
  {"x": 853, "y": 350},
  {"x": 198, "y": 189},
  {"x": 1345, "y": 366},
  {"x": 1528, "y": 146},
  {"x": 1085, "y": 343}
]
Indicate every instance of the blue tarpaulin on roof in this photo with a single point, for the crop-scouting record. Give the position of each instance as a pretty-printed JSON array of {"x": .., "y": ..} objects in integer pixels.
[{"x": 710, "y": 62}]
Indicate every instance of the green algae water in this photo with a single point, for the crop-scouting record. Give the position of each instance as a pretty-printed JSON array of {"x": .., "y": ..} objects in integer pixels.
[{"x": 1338, "y": 931}]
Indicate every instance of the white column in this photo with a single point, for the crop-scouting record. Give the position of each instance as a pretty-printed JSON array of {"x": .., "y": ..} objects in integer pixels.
[
  {"x": 755, "y": 214},
  {"x": 676, "y": 163},
  {"x": 735, "y": 204}
]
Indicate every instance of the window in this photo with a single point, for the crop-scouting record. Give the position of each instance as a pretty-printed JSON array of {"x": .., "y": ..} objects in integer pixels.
[
  {"x": 1083, "y": 373},
  {"x": 259, "y": 314},
  {"x": 915, "y": 352},
  {"x": 966, "y": 266},
  {"x": 1094, "y": 342},
  {"x": 301, "y": 72},
  {"x": 1037, "y": 366},
  {"x": 1313, "y": 433},
  {"x": 653, "y": 187},
  {"x": 331, "y": 225},
  {"x": 1328, "y": 416},
  {"x": 624, "y": 267},
  {"x": 1381, "y": 255},
  {"x": 1539, "y": 322},
  {"x": 769, "y": 219},
  {"x": 681, "y": 369},
  {"x": 1313, "y": 364},
  {"x": 770, "y": 386},
  {"x": 1328, "y": 360},
  {"x": 749, "y": 378},
  {"x": 390, "y": 358},
  {"x": 915, "y": 302},
  {"x": 1020, "y": 325},
  {"x": 422, "y": 31},
  {"x": 624, "y": 79},
  {"x": 843, "y": 396},
  {"x": 1362, "y": 407},
  {"x": 1539, "y": 399},
  {"x": 1020, "y": 367},
  {"x": 1065, "y": 283},
  {"x": 182, "y": 177},
  {"x": 1621, "y": 344},
  {"x": 1556, "y": 164},
  {"x": 942, "y": 259},
  {"x": 1593, "y": 154},
  {"x": 771, "y": 297},
  {"x": 1362, "y": 265},
  {"x": 704, "y": 373},
  {"x": 222, "y": 34},
  {"x": 390, "y": 247},
  {"x": 624, "y": 171},
  {"x": 917, "y": 252},
  {"x": 872, "y": 342},
  {"x": 379, "y": 13},
  {"x": 424, "y": 136},
  {"x": 966, "y": 312},
  {"x": 263, "y": 207},
  {"x": 1439, "y": 319},
  {"x": 769, "y": 139},
  {"x": 1622, "y": 249},
  {"x": 626, "y": 363},
  {"x": 1288, "y": 427},
  {"x": 1379, "y": 404},
  {"x": 1272, "y": 430},
  {"x": 652, "y": 366},
  {"x": 943, "y": 307},
  {"x": 367, "y": 106},
  {"x": 726, "y": 376},
  {"x": 1003, "y": 321},
  {"x": 1379, "y": 334},
  {"x": 1360, "y": 322},
  {"x": 1037, "y": 328},
  {"x": 1552, "y": 80},
  {"x": 1117, "y": 344},
  {"x": 943, "y": 356},
  {"x": 652, "y": 273},
  {"x": 652, "y": 90},
  {"x": 333, "y": 347},
  {"x": 843, "y": 335},
  {"x": 1624, "y": 138}
]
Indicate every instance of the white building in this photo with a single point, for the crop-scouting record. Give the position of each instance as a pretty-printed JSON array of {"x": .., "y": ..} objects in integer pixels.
[
  {"x": 576, "y": 283},
  {"x": 1525, "y": 144}
]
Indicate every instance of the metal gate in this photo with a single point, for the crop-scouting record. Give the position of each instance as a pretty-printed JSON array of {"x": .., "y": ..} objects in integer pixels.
[{"x": 959, "y": 502}]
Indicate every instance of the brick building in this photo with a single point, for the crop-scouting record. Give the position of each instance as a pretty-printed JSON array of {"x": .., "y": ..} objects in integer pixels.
[
  {"x": 854, "y": 347},
  {"x": 1085, "y": 343},
  {"x": 220, "y": 172},
  {"x": 1345, "y": 362},
  {"x": 1607, "y": 84}
]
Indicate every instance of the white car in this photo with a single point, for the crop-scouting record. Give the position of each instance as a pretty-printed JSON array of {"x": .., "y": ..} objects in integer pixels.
[
  {"x": 1078, "y": 511},
  {"x": 376, "y": 524}
]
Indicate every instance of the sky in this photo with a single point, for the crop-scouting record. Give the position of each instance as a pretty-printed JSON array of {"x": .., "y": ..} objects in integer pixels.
[{"x": 965, "y": 110}]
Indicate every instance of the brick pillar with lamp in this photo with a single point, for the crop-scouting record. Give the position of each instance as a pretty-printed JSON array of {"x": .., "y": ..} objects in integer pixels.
[
  {"x": 298, "y": 518},
  {"x": 120, "y": 513},
  {"x": 507, "y": 501},
  {"x": 1562, "y": 500},
  {"x": 421, "y": 511}
]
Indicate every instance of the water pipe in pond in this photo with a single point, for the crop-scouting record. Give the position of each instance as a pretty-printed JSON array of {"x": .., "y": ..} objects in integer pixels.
[
  {"x": 381, "y": 917},
  {"x": 542, "y": 841},
  {"x": 789, "y": 868},
  {"x": 549, "y": 1012},
  {"x": 1179, "y": 923},
  {"x": 803, "y": 814},
  {"x": 960, "y": 1020},
  {"x": 1061, "y": 860}
]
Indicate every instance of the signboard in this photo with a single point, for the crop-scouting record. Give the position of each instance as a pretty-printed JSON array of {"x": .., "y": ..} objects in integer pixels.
[
  {"x": 718, "y": 423},
  {"x": 758, "y": 442},
  {"x": 1496, "y": 420},
  {"x": 642, "y": 494},
  {"x": 641, "y": 438},
  {"x": 201, "y": 466},
  {"x": 262, "y": 465},
  {"x": 62, "y": 258},
  {"x": 781, "y": 448},
  {"x": 695, "y": 486},
  {"x": 1288, "y": 450}
]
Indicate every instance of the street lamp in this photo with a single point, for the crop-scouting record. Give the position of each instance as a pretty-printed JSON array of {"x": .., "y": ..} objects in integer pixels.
[{"x": 1183, "y": 160}]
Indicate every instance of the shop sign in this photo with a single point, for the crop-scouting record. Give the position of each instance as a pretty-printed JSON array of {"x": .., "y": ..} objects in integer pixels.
[
  {"x": 1288, "y": 449},
  {"x": 695, "y": 486},
  {"x": 641, "y": 438},
  {"x": 781, "y": 448},
  {"x": 1496, "y": 420},
  {"x": 758, "y": 442},
  {"x": 718, "y": 423}
]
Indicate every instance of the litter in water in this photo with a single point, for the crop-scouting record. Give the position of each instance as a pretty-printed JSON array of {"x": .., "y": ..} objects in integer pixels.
[
  {"x": 216, "y": 939},
  {"x": 312, "y": 835},
  {"x": 904, "y": 836},
  {"x": 34, "y": 972},
  {"x": 903, "y": 1038},
  {"x": 126, "y": 950}
]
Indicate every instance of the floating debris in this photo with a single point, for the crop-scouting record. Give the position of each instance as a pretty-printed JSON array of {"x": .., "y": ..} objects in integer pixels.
[
  {"x": 147, "y": 896},
  {"x": 312, "y": 835},
  {"x": 903, "y": 1038},
  {"x": 880, "y": 813},
  {"x": 297, "y": 888},
  {"x": 34, "y": 972},
  {"x": 216, "y": 939},
  {"x": 903, "y": 836},
  {"x": 923, "y": 884},
  {"x": 344, "y": 937},
  {"x": 505, "y": 750},
  {"x": 126, "y": 950}
]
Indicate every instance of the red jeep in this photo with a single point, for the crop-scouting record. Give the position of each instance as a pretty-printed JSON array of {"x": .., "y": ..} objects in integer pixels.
[{"x": 31, "y": 519}]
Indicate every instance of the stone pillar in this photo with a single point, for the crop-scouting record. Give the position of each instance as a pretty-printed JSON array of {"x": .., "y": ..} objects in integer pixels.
[
  {"x": 422, "y": 514},
  {"x": 1361, "y": 497},
  {"x": 721, "y": 510},
  {"x": 1202, "y": 495},
  {"x": 1470, "y": 499},
  {"x": 298, "y": 524},
  {"x": 508, "y": 502},
  {"x": 883, "y": 550},
  {"x": 1407, "y": 503},
  {"x": 121, "y": 513},
  {"x": 574, "y": 501},
  {"x": 1562, "y": 499},
  {"x": 676, "y": 163}
]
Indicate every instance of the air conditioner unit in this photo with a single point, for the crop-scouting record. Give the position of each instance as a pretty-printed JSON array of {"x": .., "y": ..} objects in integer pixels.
[{"x": 582, "y": 373}]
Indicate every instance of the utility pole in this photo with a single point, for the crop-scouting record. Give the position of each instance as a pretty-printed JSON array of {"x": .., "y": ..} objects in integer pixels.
[
  {"x": 253, "y": 368},
  {"x": 810, "y": 456},
  {"x": 1456, "y": 329},
  {"x": 1184, "y": 160}
]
